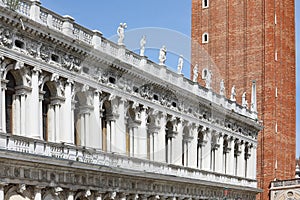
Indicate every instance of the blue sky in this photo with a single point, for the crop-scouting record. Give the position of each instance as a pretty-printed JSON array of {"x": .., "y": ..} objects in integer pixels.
[{"x": 172, "y": 17}]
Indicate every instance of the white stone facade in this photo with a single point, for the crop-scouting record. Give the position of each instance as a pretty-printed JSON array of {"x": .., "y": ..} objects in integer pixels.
[{"x": 84, "y": 118}]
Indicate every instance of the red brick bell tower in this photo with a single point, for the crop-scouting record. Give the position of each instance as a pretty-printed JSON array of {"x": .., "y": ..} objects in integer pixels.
[{"x": 247, "y": 40}]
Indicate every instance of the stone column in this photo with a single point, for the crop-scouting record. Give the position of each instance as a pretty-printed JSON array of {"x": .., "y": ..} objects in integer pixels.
[
  {"x": 1, "y": 95},
  {"x": 169, "y": 151},
  {"x": 95, "y": 135},
  {"x": 206, "y": 151},
  {"x": 66, "y": 115},
  {"x": 1, "y": 192},
  {"x": 23, "y": 114},
  {"x": 3, "y": 87},
  {"x": 17, "y": 112},
  {"x": 253, "y": 164},
  {"x": 70, "y": 195},
  {"x": 177, "y": 145},
  {"x": 230, "y": 157},
  {"x": 50, "y": 123},
  {"x": 57, "y": 121},
  {"x": 108, "y": 136},
  {"x": 151, "y": 139},
  {"x": 241, "y": 161},
  {"x": 160, "y": 155},
  {"x": 32, "y": 129},
  {"x": 82, "y": 133},
  {"x": 219, "y": 155},
  {"x": 37, "y": 193},
  {"x": 142, "y": 135},
  {"x": 119, "y": 131},
  {"x": 192, "y": 150},
  {"x": 73, "y": 122},
  {"x": 135, "y": 139},
  {"x": 98, "y": 195},
  {"x": 113, "y": 135},
  {"x": 131, "y": 141},
  {"x": 41, "y": 98}
]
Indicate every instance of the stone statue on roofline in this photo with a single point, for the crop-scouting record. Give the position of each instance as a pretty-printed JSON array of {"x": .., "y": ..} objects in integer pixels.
[
  {"x": 195, "y": 73},
  {"x": 222, "y": 88},
  {"x": 180, "y": 64},
  {"x": 142, "y": 46},
  {"x": 208, "y": 79},
  {"x": 121, "y": 33},
  {"x": 233, "y": 93},
  {"x": 162, "y": 55},
  {"x": 244, "y": 101}
]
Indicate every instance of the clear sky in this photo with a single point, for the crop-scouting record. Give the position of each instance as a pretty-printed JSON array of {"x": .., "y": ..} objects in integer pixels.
[{"x": 171, "y": 17}]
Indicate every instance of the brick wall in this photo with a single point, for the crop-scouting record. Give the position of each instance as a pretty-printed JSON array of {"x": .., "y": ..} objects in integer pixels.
[{"x": 243, "y": 41}]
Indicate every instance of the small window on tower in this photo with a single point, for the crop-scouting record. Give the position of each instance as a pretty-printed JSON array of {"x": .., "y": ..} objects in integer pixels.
[
  {"x": 205, "y": 38},
  {"x": 205, "y": 3}
]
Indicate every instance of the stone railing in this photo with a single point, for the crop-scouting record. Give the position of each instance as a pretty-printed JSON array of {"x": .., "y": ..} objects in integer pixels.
[
  {"x": 67, "y": 26},
  {"x": 285, "y": 183},
  {"x": 97, "y": 157}
]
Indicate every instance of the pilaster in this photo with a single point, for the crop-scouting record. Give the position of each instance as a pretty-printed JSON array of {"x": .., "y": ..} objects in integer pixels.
[
  {"x": 230, "y": 159},
  {"x": 219, "y": 154},
  {"x": 118, "y": 126},
  {"x": 206, "y": 149},
  {"x": 67, "y": 115}
]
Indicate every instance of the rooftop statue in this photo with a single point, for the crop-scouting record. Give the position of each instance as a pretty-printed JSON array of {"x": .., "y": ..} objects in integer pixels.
[
  {"x": 162, "y": 55},
  {"x": 233, "y": 93},
  {"x": 195, "y": 73},
  {"x": 180, "y": 64},
  {"x": 142, "y": 46},
  {"x": 222, "y": 88},
  {"x": 121, "y": 33}
]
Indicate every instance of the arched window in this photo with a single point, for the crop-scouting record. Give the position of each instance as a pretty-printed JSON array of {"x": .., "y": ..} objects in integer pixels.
[
  {"x": 246, "y": 157},
  {"x": 9, "y": 98},
  {"x": 106, "y": 130},
  {"x": 77, "y": 122},
  {"x": 185, "y": 149},
  {"x": 200, "y": 143},
  {"x": 205, "y": 38},
  {"x": 168, "y": 141},
  {"x": 205, "y": 3},
  {"x": 236, "y": 154},
  {"x": 45, "y": 109},
  {"x": 214, "y": 148},
  {"x": 225, "y": 154}
]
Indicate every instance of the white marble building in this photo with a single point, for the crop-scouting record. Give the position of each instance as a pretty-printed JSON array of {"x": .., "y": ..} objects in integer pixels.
[{"x": 85, "y": 118}]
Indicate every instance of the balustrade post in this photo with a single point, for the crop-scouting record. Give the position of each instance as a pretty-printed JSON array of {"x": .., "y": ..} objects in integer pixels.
[
  {"x": 35, "y": 10},
  {"x": 97, "y": 39},
  {"x": 67, "y": 27}
]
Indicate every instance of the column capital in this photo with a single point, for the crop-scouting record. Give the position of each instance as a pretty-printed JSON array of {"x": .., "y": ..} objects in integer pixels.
[{"x": 23, "y": 90}]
